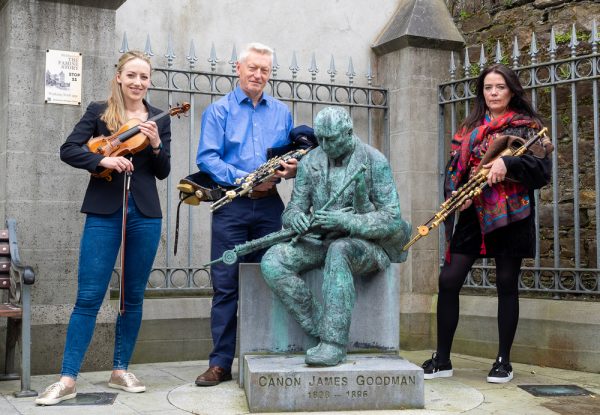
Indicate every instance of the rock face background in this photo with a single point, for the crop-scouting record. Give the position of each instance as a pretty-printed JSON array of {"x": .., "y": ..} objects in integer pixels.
[{"x": 483, "y": 22}]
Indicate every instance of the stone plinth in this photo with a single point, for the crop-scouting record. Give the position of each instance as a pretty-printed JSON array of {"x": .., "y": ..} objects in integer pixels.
[
  {"x": 265, "y": 326},
  {"x": 286, "y": 383}
]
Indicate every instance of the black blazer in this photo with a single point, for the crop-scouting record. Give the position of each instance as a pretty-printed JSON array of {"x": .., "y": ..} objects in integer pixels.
[{"x": 102, "y": 196}]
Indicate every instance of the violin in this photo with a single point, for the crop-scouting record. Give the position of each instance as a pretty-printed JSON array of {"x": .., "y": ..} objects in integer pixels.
[{"x": 127, "y": 140}]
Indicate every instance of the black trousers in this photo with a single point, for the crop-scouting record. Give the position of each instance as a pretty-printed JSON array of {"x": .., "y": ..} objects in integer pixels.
[{"x": 451, "y": 280}]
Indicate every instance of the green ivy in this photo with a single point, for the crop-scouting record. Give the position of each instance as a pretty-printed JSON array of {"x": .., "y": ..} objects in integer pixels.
[
  {"x": 564, "y": 72},
  {"x": 566, "y": 37},
  {"x": 474, "y": 70},
  {"x": 463, "y": 15}
]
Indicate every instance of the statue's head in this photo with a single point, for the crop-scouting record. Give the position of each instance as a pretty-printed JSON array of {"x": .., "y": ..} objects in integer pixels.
[{"x": 333, "y": 128}]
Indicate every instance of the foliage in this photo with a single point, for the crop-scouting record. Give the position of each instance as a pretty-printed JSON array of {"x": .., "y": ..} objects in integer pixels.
[
  {"x": 564, "y": 72},
  {"x": 565, "y": 119},
  {"x": 463, "y": 15},
  {"x": 474, "y": 70},
  {"x": 562, "y": 38}
]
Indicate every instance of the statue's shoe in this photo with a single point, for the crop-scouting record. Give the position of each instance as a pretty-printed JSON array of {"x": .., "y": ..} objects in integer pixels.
[
  {"x": 313, "y": 351},
  {"x": 325, "y": 354}
]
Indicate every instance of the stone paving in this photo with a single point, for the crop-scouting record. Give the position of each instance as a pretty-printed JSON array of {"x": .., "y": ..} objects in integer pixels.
[{"x": 171, "y": 391}]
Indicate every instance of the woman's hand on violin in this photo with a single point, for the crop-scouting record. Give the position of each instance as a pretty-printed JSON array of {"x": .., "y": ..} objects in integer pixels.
[
  {"x": 120, "y": 164},
  {"x": 150, "y": 130},
  {"x": 497, "y": 171},
  {"x": 465, "y": 205}
]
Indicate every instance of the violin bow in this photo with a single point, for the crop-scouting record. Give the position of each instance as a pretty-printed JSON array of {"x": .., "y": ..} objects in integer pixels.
[{"x": 126, "y": 184}]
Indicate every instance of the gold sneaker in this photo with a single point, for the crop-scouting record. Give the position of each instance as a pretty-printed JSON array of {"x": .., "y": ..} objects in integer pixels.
[
  {"x": 56, "y": 393},
  {"x": 127, "y": 381}
]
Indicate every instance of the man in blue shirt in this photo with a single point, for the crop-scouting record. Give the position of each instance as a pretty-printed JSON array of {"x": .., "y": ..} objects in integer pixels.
[{"x": 236, "y": 132}]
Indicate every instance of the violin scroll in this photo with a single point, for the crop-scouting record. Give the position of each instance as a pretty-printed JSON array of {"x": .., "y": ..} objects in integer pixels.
[{"x": 180, "y": 109}]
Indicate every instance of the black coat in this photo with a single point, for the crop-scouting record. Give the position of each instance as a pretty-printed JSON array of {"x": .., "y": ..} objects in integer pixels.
[
  {"x": 102, "y": 196},
  {"x": 517, "y": 239}
]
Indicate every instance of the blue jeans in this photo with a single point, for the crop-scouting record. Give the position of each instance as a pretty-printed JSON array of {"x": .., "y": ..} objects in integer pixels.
[
  {"x": 98, "y": 252},
  {"x": 240, "y": 221}
]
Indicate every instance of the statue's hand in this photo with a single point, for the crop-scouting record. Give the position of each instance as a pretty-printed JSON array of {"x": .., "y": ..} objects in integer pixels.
[
  {"x": 333, "y": 220},
  {"x": 300, "y": 223}
]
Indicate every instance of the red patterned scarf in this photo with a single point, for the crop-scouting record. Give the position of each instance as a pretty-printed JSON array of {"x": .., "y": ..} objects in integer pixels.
[{"x": 504, "y": 202}]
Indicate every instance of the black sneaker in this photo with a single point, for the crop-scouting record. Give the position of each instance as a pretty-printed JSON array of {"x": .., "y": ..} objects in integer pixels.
[
  {"x": 501, "y": 372},
  {"x": 432, "y": 368}
]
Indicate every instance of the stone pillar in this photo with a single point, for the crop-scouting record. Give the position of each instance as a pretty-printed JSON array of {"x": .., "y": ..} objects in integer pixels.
[
  {"x": 413, "y": 58},
  {"x": 43, "y": 194}
]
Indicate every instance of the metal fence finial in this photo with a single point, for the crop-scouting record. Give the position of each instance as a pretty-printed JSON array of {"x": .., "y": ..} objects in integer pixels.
[
  {"x": 516, "y": 53},
  {"x": 552, "y": 49},
  {"x": 294, "y": 66},
  {"x": 124, "y": 44},
  {"x": 499, "y": 56},
  {"x": 574, "y": 42},
  {"x": 369, "y": 73},
  {"x": 452, "y": 66},
  {"x": 275, "y": 64},
  {"x": 467, "y": 65},
  {"x": 332, "y": 71},
  {"x": 148, "y": 48},
  {"x": 533, "y": 50},
  {"x": 213, "y": 58},
  {"x": 191, "y": 57},
  {"x": 313, "y": 69},
  {"x": 482, "y": 58},
  {"x": 170, "y": 55},
  {"x": 233, "y": 60},
  {"x": 350, "y": 72}
]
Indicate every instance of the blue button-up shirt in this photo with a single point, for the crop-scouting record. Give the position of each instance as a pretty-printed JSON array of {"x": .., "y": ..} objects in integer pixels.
[{"x": 235, "y": 135}]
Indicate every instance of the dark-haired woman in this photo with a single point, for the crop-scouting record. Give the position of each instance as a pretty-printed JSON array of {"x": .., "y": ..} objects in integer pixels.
[
  {"x": 103, "y": 206},
  {"x": 499, "y": 223}
]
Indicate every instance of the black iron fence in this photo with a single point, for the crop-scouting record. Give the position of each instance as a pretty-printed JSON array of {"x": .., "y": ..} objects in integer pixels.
[{"x": 301, "y": 91}]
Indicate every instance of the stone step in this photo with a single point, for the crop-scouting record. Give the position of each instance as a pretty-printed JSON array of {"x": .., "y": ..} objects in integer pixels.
[{"x": 363, "y": 381}]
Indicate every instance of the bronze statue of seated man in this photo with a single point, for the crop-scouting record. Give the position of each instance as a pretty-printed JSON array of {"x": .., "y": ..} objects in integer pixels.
[{"x": 360, "y": 233}]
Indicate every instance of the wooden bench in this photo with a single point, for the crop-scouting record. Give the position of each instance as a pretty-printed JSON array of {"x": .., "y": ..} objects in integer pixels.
[{"x": 15, "y": 304}]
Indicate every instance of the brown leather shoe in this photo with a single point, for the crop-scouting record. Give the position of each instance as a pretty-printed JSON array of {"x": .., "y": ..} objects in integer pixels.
[{"x": 213, "y": 376}]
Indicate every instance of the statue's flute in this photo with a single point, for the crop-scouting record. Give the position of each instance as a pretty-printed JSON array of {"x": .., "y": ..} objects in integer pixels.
[
  {"x": 361, "y": 171},
  {"x": 230, "y": 256}
]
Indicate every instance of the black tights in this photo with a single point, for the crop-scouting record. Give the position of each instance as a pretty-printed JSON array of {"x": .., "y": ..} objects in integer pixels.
[{"x": 452, "y": 277}]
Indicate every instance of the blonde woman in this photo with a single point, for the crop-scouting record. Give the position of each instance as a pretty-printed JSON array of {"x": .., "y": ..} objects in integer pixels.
[{"x": 103, "y": 205}]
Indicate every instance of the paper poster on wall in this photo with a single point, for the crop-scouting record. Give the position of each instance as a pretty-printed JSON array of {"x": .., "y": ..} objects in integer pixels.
[{"x": 63, "y": 77}]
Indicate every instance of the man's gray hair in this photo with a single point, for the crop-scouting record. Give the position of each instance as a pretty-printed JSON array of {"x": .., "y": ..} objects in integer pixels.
[{"x": 255, "y": 47}]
